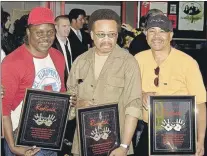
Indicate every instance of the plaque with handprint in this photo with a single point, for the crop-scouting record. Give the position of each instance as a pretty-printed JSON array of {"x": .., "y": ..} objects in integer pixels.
[
  {"x": 98, "y": 129},
  {"x": 172, "y": 125},
  {"x": 43, "y": 119}
]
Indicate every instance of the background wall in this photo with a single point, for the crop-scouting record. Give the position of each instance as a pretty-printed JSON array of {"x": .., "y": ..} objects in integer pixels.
[
  {"x": 90, "y": 7},
  {"x": 131, "y": 13},
  {"x": 8, "y": 6}
]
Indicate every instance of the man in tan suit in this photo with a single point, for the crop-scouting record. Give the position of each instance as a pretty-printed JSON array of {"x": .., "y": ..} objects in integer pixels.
[{"x": 107, "y": 73}]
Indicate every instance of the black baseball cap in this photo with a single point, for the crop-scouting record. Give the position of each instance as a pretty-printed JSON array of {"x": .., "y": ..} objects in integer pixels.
[{"x": 160, "y": 21}]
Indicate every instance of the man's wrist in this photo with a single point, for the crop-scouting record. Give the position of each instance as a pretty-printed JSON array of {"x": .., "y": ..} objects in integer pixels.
[
  {"x": 124, "y": 146},
  {"x": 13, "y": 150},
  {"x": 201, "y": 141}
]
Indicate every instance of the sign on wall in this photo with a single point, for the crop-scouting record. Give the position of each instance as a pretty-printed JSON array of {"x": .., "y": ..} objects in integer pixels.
[{"x": 191, "y": 16}]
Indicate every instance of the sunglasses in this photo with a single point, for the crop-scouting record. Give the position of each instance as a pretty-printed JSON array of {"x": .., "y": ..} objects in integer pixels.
[
  {"x": 156, "y": 80},
  {"x": 110, "y": 35}
]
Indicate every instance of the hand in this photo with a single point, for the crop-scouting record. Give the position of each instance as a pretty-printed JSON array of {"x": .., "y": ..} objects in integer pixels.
[
  {"x": 145, "y": 97},
  {"x": 178, "y": 125},
  {"x": 2, "y": 91},
  {"x": 119, "y": 152},
  {"x": 73, "y": 100},
  {"x": 84, "y": 103},
  {"x": 49, "y": 121},
  {"x": 39, "y": 119},
  {"x": 166, "y": 125},
  {"x": 127, "y": 27},
  {"x": 32, "y": 151},
  {"x": 200, "y": 149},
  {"x": 25, "y": 151},
  {"x": 96, "y": 135},
  {"x": 106, "y": 133}
]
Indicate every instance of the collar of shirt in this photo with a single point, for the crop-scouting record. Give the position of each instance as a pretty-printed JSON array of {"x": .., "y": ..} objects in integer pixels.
[
  {"x": 60, "y": 41},
  {"x": 62, "y": 44},
  {"x": 75, "y": 31}
]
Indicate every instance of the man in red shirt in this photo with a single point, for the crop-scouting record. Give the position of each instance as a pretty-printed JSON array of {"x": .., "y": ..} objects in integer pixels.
[{"x": 33, "y": 65}]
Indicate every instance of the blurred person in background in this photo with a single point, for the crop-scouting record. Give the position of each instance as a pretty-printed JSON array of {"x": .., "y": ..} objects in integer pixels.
[
  {"x": 85, "y": 25},
  {"x": 139, "y": 43},
  {"x": 19, "y": 33},
  {"x": 7, "y": 39},
  {"x": 80, "y": 40}
]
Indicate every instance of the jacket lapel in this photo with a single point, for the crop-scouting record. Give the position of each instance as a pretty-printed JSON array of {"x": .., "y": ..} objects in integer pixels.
[
  {"x": 73, "y": 35},
  {"x": 57, "y": 43}
]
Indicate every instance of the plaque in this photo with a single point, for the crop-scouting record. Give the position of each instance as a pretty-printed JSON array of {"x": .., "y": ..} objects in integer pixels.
[
  {"x": 98, "y": 129},
  {"x": 43, "y": 119},
  {"x": 172, "y": 127}
]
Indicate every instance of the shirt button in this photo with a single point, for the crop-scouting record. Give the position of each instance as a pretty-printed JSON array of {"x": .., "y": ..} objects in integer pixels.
[
  {"x": 93, "y": 99},
  {"x": 91, "y": 85}
]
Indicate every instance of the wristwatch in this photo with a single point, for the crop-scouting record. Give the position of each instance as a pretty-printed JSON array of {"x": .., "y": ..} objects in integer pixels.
[{"x": 125, "y": 146}]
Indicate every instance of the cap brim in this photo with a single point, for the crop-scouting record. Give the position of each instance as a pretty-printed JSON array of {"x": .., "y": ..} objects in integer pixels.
[{"x": 159, "y": 26}]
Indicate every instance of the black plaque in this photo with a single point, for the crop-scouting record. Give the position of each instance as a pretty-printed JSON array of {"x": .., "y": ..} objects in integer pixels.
[
  {"x": 172, "y": 127},
  {"x": 98, "y": 128},
  {"x": 43, "y": 119}
]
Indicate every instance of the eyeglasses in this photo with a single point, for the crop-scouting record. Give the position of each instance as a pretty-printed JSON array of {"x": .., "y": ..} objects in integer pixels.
[
  {"x": 110, "y": 35},
  {"x": 156, "y": 80}
]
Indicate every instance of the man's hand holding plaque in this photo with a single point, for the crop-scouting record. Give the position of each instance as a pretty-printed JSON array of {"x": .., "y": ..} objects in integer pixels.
[
  {"x": 145, "y": 99},
  {"x": 119, "y": 152},
  {"x": 25, "y": 151},
  {"x": 72, "y": 91},
  {"x": 200, "y": 149},
  {"x": 73, "y": 100}
]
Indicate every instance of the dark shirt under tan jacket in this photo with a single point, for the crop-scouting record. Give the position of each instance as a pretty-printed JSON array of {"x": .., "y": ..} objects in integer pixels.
[{"x": 119, "y": 82}]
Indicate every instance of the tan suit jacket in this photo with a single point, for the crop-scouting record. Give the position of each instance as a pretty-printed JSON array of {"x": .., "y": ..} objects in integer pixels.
[{"x": 119, "y": 82}]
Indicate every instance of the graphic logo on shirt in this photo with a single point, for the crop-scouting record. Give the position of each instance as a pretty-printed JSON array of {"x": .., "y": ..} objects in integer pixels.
[{"x": 47, "y": 79}]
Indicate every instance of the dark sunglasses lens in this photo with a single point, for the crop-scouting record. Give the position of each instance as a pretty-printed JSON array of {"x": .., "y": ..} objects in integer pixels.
[
  {"x": 156, "y": 81},
  {"x": 157, "y": 71}
]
